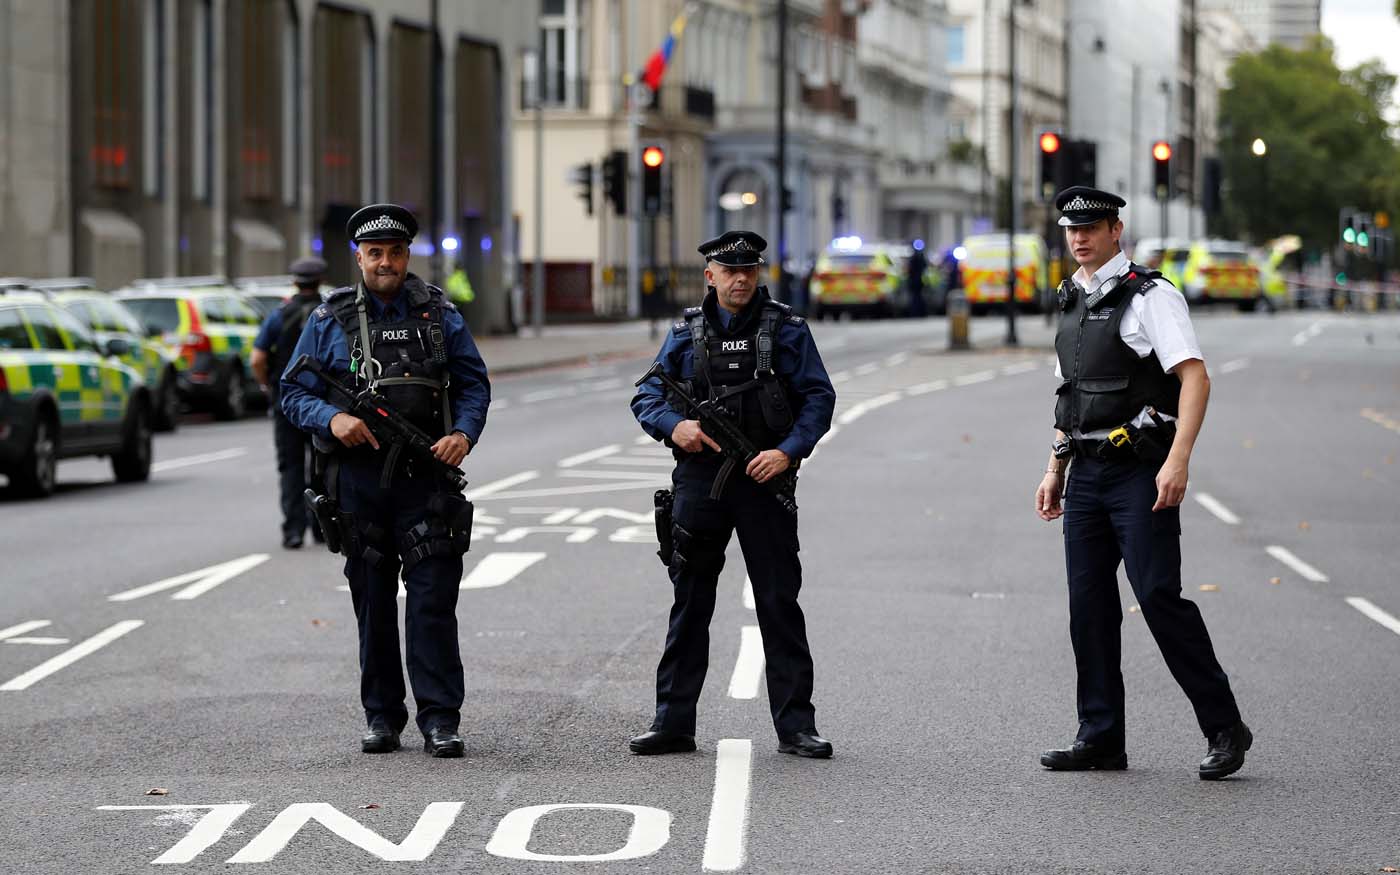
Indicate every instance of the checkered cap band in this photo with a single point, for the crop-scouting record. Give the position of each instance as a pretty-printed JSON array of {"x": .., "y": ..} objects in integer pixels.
[
  {"x": 740, "y": 245},
  {"x": 383, "y": 223},
  {"x": 1081, "y": 203}
]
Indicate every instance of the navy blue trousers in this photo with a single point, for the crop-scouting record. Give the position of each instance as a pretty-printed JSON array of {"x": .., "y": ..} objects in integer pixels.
[
  {"x": 1109, "y": 520},
  {"x": 768, "y": 538},
  {"x": 430, "y": 612},
  {"x": 293, "y": 472}
]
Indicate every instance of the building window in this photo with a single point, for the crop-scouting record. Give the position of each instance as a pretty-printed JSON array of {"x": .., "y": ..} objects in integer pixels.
[
  {"x": 260, "y": 99},
  {"x": 957, "y": 44},
  {"x": 153, "y": 84},
  {"x": 116, "y": 92},
  {"x": 340, "y": 76},
  {"x": 201, "y": 97},
  {"x": 291, "y": 108},
  {"x": 410, "y": 117},
  {"x": 563, "y": 64}
]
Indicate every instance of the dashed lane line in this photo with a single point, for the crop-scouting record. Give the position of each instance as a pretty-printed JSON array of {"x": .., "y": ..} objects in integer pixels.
[
  {"x": 21, "y": 628},
  {"x": 71, "y": 655},
  {"x": 591, "y": 455},
  {"x": 925, "y": 388},
  {"x": 898, "y": 358},
  {"x": 1220, "y": 511},
  {"x": 202, "y": 459},
  {"x": 1286, "y": 556},
  {"x": 1019, "y": 368},
  {"x": 729, "y": 808},
  {"x": 977, "y": 377},
  {"x": 864, "y": 407},
  {"x": 1234, "y": 365},
  {"x": 748, "y": 668},
  {"x": 1375, "y": 613}
]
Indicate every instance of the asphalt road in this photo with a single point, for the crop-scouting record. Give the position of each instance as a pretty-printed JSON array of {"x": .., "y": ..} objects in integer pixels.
[{"x": 156, "y": 636}]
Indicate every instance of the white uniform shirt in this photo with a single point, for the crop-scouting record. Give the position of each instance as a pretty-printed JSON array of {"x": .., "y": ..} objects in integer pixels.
[{"x": 1157, "y": 320}]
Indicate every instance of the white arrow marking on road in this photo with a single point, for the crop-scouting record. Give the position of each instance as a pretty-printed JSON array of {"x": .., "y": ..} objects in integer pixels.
[
  {"x": 498, "y": 569},
  {"x": 651, "y": 830},
  {"x": 576, "y": 534},
  {"x": 21, "y": 628},
  {"x": 207, "y": 830},
  {"x": 601, "y": 452},
  {"x": 71, "y": 655},
  {"x": 48, "y": 641},
  {"x": 748, "y": 669},
  {"x": 729, "y": 810},
  {"x": 864, "y": 407},
  {"x": 501, "y": 485},
  {"x": 1234, "y": 365},
  {"x": 199, "y": 582},
  {"x": 977, "y": 377},
  {"x": 1375, "y": 613},
  {"x": 187, "y": 461},
  {"x": 1221, "y": 512},
  {"x": 925, "y": 388},
  {"x": 432, "y": 825},
  {"x": 558, "y": 491},
  {"x": 589, "y": 517},
  {"x": 748, "y": 593},
  {"x": 1287, "y": 558}
]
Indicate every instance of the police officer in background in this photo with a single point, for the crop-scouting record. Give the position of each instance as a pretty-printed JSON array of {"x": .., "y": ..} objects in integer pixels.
[
  {"x": 749, "y": 351},
  {"x": 272, "y": 351},
  {"x": 1131, "y": 403},
  {"x": 400, "y": 335}
]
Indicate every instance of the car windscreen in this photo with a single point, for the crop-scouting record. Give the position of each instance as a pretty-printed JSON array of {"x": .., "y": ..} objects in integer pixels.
[
  {"x": 847, "y": 262},
  {"x": 1229, "y": 256},
  {"x": 157, "y": 314}
]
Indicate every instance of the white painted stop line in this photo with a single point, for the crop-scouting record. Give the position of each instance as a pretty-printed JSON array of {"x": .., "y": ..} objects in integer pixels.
[
  {"x": 729, "y": 810},
  {"x": 71, "y": 655},
  {"x": 1375, "y": 613}
]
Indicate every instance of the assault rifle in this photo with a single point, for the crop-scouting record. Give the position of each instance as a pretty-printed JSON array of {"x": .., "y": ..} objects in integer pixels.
[
  {"x": 734, "y": 445},
  {"x": 388, "y": 426}
]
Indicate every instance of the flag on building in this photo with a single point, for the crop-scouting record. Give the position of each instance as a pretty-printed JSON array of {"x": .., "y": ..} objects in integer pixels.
[{"x": 656, "y": 65}]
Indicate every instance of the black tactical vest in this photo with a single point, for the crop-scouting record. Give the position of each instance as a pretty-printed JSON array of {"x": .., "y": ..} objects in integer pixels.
[
  {"x": 407, "y": 360},
  {"x": 735, "y": 368},
  {"x": 293, "y": 314},
  {"x": 1105, "y": 383}
]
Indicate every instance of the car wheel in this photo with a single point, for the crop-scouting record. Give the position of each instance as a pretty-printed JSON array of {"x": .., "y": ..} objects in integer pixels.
[
  {"x": 233, "y": 402},
  {"x": 133, "y": 463},
  {"x": 167, "y": 412},
  {"x": 35, "y": 475}
]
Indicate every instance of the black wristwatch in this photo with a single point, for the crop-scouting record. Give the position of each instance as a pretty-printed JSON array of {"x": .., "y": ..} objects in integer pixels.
[{"x": 1062, "y": 448}]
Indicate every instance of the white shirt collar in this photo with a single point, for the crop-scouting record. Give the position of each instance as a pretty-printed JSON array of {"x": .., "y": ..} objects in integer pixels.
[{"x": 1115, "y": 266}]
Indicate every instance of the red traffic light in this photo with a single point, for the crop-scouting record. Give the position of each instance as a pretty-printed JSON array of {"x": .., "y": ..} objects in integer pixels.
[
  {"x": 1049, "y": 142},
  {"x": 1161, "y": 151},
  {"x": 652, "y": 156}
]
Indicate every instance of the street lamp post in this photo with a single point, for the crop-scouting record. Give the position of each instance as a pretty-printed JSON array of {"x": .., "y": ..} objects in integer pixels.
[{"x": 1261, "y": 149}]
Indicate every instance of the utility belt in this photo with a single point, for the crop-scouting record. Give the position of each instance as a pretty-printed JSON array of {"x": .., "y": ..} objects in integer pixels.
[{"x": 1128, "y": 442}]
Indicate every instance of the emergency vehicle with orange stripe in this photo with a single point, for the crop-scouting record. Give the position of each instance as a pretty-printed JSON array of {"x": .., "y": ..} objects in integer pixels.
[{"x": 984, "y": 271}]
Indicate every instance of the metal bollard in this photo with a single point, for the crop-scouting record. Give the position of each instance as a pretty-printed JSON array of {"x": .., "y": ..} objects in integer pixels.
[{"x": 959, "y": 315}]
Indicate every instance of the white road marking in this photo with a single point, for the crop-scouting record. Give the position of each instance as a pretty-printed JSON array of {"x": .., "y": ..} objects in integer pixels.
[
  {"x": 432, "y": 825},
  {"x": 195, "y": 583},
  {"x": 1221, "y": 512},
  {"x": 866, "y": 369},
  {"x": 644, "y": 461},
  {"x": 977, "y": 377},
  {"x": 206, "y": 832},
  {"x": 545, "y": 395},
  {"x": 651, "y": 830},
  {"x": 1307, "y": 334},
  {"x": 1234, "y": 365},
  {"x": 21, "y": 628},
  {"x": 729, "y": 810},
  {"x": 898, "y": 358},
  {"x": 71, "y": 655},
  {"x": 1380, "y": 419},
  {"x": 1287, "y": 558},
  {"x": 748, "y": 593},
  {"x": 1019, "y": 368},
  {"x": 616, "y": 475},
  {"x": 50, "y": 642},
  {"x": 925, "y": 388},
  {"x": 498, "y": 569},
  {"x": 187, "y": 461},
  {"x": 591, "y": 455},
  {"x": 840, "y": 377},
  {"x": 748, "y": 668},
  {"x": 557, "y": 491},
  {"x": 498, "y": 486},
  {"x": 499, "y": 404},
  {"x": 643, "y": 440},
  {"x": 588, "y": 517},
  {"x": 864, "y": 407},
  {"x": 1375, "y": 613},
  {"x": 604, "y": 385},
  {"x": 576, "y": 534}
]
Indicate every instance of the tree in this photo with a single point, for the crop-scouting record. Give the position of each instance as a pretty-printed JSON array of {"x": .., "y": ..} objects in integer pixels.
[{"x": 1328, "y": 145}]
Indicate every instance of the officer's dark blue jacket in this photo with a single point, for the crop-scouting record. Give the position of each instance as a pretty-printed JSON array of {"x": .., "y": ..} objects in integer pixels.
[
  {"x": 268, "y": 333},
  {"x": 303, "y": 400},
  {"x": 795, "y": 359}
]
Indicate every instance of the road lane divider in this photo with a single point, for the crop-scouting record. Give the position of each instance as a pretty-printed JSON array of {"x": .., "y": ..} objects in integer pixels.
[
  {"x": 194, "y": 583},
  {"x": 858, "y": 410},
  {"x": 1286, "y": 556},
  {"x": 925, "y": 388},
  {"x": 1218, "y": 510},
  {"x": 1366, "y": 607},
  {"x": 591, "y": 455},
  {"x": 23, "y": 628},
  {"x": 729, "y": 807},
  {"x": 976, "y": 377},
  {"x": 202, "y": 459},
  {"x": 71, "y": 655},
  {"x": 501, "y": 485}
]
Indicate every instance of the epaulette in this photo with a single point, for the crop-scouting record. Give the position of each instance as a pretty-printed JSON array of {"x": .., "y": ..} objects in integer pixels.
[
  {"x": 691, "y": 311},
  {"x": 336, "y": 293},
  {"x": 680, "y": 328},
  {"x": 321, "y": 311}
]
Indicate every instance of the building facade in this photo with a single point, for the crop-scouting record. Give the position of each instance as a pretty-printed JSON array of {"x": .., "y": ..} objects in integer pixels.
[
  {"x": 1289, "y": 23},
  {"x": 227, "y": 137}
]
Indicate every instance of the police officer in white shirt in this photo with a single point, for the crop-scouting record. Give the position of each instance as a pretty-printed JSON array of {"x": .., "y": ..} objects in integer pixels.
[{"x": 1130, "y": 404}]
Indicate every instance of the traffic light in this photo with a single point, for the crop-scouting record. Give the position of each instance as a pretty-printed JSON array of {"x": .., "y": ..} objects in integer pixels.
[
  {"x": 1161, "y": 169},
  {"x": 1050, "y": 153},
  {"x": 1363, "y": 234},
  {"x": 615, "y": 181},
  {"x": 1080, "y": 164},
  {"x": 1210, "y": 186},
  {"x": 582, "y": 176},
  {"x": 653, "y": 160}
]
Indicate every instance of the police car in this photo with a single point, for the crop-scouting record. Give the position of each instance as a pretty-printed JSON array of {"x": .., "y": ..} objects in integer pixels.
[
  {"x": 63, "y": 393},
  {"x": 107, "y": 318},
  {"x": 212, "y": 328},
  {"x": 857, "y": 278}
]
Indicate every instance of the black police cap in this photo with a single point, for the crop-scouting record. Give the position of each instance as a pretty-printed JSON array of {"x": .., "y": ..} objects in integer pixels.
[
  {"x": 1082, "y": 205},
  {"x": 309, "y": 269},
  {"x": 735, "y": 249},
  {"x": 381, "y": 222}
]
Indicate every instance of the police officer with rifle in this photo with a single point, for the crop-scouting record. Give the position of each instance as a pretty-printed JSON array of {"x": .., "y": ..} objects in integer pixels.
[
  {"x": 388, "y": 381},
  {"x": 739, "y": 394}
]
